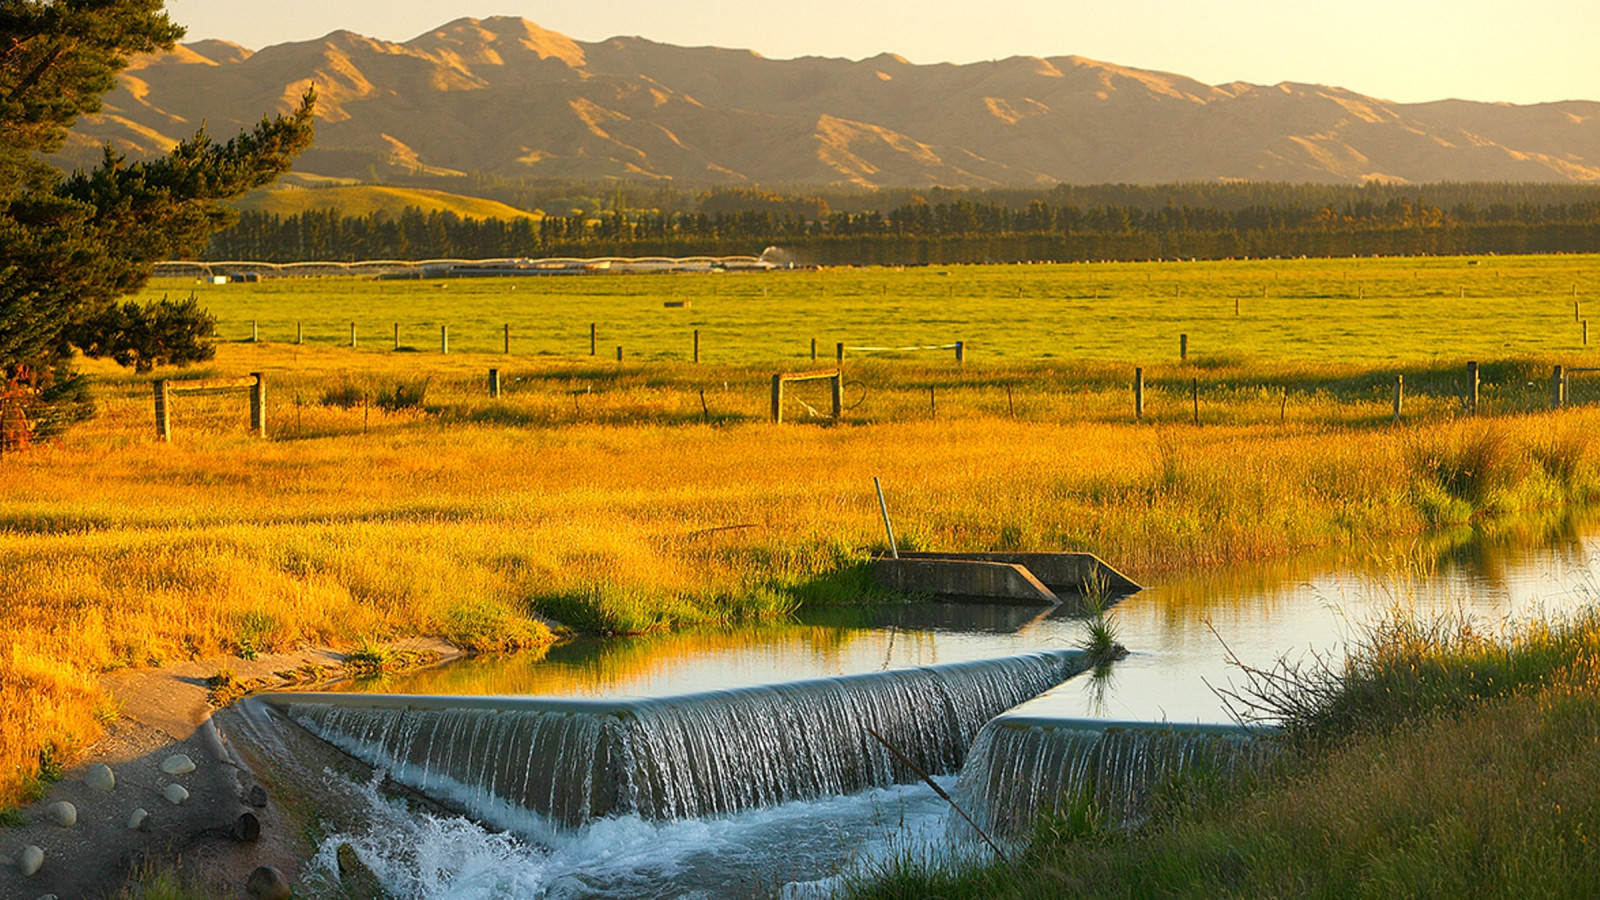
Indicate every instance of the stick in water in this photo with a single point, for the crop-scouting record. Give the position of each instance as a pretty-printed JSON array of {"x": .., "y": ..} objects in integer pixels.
[{"x": 942, "y": 794}]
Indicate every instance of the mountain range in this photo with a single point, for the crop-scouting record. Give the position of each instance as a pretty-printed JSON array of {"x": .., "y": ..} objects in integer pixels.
[{"x": 506, "y": 97}]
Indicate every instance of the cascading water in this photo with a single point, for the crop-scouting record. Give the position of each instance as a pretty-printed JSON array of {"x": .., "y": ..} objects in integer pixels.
[
  {"x": 1022, "y": 767},
  {"x": 690, "y": 756}
]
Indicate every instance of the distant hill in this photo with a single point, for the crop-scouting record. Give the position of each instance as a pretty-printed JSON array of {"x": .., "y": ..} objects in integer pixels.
[
  {"x": 362, "y": 200},
  {"x": 505, "y": 96}
]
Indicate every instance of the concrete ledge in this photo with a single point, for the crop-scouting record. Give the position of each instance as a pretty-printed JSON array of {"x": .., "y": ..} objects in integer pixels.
[{"x": 963, "y": 577}]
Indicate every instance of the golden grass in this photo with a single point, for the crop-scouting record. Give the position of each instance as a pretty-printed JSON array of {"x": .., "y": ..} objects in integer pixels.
[{"x": 601, "y": 498}]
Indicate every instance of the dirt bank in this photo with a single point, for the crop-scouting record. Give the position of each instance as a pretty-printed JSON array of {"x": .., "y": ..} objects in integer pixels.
[{"x": 210, "y": 836}]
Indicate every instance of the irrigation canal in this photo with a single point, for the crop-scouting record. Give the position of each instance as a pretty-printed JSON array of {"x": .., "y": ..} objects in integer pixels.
[{"x": 696, "y": 778}]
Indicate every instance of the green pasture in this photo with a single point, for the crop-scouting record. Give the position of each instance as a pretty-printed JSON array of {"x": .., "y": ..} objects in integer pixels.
[{"x": 1303, "y": 311}]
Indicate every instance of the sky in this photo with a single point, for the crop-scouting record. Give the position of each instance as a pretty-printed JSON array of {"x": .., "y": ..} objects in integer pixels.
[{"x": 1516, "y": 51}]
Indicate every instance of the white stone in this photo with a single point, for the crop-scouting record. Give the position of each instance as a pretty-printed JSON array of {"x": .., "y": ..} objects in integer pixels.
[
  {"x": 62, "y": 813},
  {"x": 175, "y": 794},
  {"x": 100, "y": 777},
  {"x": 30, "y": 862},
  {"x": 177, "y": 764},
  {"x": 48, "y": 897},
  {"x": 136, "y": 821}
]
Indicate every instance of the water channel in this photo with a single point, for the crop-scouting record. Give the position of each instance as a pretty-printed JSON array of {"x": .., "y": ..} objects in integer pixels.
[{"x": 1180, "y": 631}]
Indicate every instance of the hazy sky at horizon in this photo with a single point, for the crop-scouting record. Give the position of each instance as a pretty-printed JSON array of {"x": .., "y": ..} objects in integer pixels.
[{"x": 1406, "y": 50}]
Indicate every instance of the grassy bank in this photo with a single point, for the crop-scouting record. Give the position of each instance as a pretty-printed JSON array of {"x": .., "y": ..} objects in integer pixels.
[
  {"x": 359, "y": 523},
  {"x": 1443, "y": 761}
]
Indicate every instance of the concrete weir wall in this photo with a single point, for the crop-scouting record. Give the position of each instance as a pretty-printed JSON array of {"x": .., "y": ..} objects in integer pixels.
[
  {"x": 688, "y": 756},
  {"x": 1032, "y": 578}
]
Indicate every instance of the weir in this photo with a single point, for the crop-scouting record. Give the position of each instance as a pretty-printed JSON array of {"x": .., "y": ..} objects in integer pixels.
[
  {"x": 1024, "y": 767},
  {"x": 574, "y": 760}
]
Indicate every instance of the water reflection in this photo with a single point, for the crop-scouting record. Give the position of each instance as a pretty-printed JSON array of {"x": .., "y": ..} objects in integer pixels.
[{"x": 1176, "y": 629}]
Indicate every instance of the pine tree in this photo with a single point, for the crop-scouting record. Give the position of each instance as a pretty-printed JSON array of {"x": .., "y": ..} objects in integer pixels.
[{"x": 70, "y": 246}]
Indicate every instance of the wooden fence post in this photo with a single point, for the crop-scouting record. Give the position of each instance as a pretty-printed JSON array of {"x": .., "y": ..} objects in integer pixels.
[
  {"x": 299, "y": 332},
  {"x": 813, "y": 349},
  {"x": 352, "y": 334},
  {"x": 258, "y": 405},
  {"x": 163, "y": 411},
  {"x": 1183, "y": 348},
  {"x": 255, "y": 333},
  {"x": 494, "y": 383},
  {"x": 1558, "y": 389},
  {"x": 592, "y": 339},
  {"x": 837, "y": 383},
  {"x": 1138, "y": 394},
  {"x": 507, "y": 349},
  {"x": 961, "y": 351},
  {"x": 397, "y": 335},
  {"x": 444, "y": 338},
  {"x": 1472, "y": 388},
  {"x": 619, "y": 353},
  {"x": 777, "y": 399},
  {"x": 1399, "y": 396},
  {"x": 697, "y": 345},
  {"x": 839, "y": 352},
  {"x": 1194, "y": 396}
]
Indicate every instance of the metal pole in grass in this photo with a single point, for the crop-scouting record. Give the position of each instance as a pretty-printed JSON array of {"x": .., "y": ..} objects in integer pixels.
[
  {"x": 1399, "y": 395},
  {"x": 883, "y": 507}
]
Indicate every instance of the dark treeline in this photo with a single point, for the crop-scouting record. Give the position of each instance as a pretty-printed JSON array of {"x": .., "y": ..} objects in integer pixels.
[{"x": 991, "y": 226}]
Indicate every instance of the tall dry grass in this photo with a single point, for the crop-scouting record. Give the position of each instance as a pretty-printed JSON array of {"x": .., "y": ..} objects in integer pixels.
[{"x": 623, "y": 510}]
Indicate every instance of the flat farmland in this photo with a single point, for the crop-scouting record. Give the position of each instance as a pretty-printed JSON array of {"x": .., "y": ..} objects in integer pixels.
[{"x": 1303, "y": 311}]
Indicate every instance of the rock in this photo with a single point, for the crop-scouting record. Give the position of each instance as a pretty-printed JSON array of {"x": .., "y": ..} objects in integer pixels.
[
  {"x": 100, "y": 777},
  {"x": 133, "y": 862},
  {"x": 62, "y": 813},
  {"x": 177, "y": 764},
  {"x": 257, "y": 796},
  {"x": 247, "y": 828},
  {"x": 140, "y": 820},
  {"x": 48, "y": 897},
  {"x": 31, "y": 860},
  {"x": 267, "y": 883},
  {"x": 355, "y": 877},
  {"x": 175, "y": 794}
]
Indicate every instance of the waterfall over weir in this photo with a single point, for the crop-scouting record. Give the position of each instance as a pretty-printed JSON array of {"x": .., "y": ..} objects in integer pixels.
[
  {"x": 1022, "y": 767},
  {"x": 573, "y": 760}
]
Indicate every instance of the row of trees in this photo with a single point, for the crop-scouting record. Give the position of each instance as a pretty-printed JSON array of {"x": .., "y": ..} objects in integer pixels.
[{"x": 956, "y": 231}]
